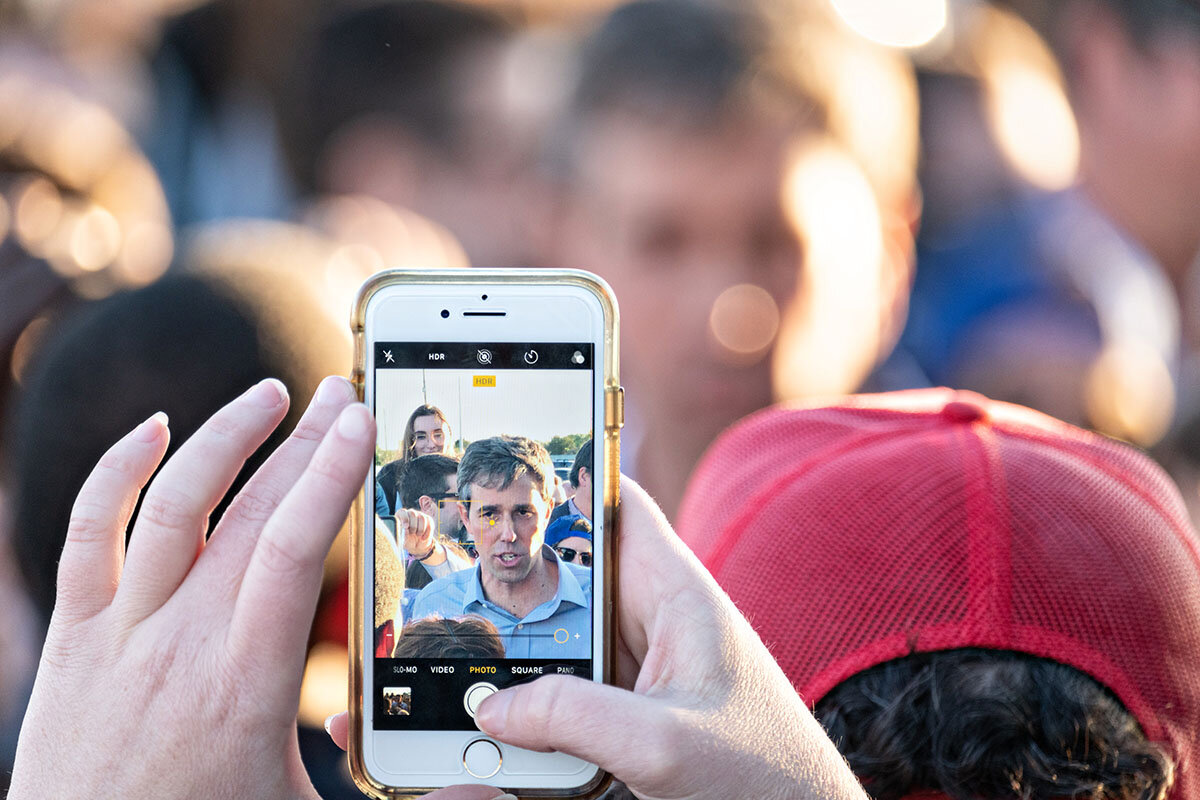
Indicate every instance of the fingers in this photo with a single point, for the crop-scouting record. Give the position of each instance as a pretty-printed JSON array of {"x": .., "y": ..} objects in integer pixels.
[
  {"x": 171, "y": 523},
  {"x": 418, "y": 531},
  {"x": 90, "y": 566},
  {"x": 622, "y": 732},
  {"x": 229, "y": 548},
  {"x": 667, "y": 598},
  {"x": 654, "y": 564},
  {"x": 644, "y": 530},
  {"x": 279, "y": 591},
  {"x": 338, "y": 728},
  {"x": 471, "y": 792}
]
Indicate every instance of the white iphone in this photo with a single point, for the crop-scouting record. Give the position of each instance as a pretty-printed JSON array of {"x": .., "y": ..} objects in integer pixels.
[{"x": 483, "y": 542}]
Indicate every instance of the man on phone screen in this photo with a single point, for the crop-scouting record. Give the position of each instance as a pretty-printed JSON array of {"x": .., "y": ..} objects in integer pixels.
[{"x": 540, "y": 604}]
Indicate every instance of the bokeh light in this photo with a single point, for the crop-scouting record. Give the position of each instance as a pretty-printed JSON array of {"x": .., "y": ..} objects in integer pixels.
[
  {"x": 345, "y": 240},
  {"x": 830, "y": 336},
  {"x": 5, "y": 218},
  {"x": 1130, "y": 393},
  {"x": 39, "y": 208},
  {"x": 866, "y": 92},
  {"x": 26, "y": 344},
  {"x": 1033, "y": 124},
  {"x": 80, "y": 160},
  {"x": 877, "y": 104},
  {"x": 326, "y": 684},
  {"x": 96, "y": 239},
  {"x": 744, "y": 320},
  {"x": 82, "y": 196},
  {"x": 348, "y": 266},
  {"x": 894, "y": 23},
  {"x": 146, "y": 253},
  {"x": 1027, "y": 107}
]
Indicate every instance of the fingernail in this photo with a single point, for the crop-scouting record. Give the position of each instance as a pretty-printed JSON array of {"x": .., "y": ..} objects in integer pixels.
[
  {"x": 353, "y": 422},
  {"x": 268, "y": 393},
  {"x": 334, "y": 389},
  {"x": 505, "y": 796},
  {"x": 493, "y": 713},
  {"x": 152, "y": 428},
  {"x": 329, "y": 723}
]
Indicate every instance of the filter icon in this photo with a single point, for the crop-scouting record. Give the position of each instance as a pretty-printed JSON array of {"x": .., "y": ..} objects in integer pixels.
[{"x": 577, "y": 358}]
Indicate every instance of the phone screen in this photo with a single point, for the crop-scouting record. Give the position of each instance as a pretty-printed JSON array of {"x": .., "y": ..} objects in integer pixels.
[{"x": 484, "y": 506}]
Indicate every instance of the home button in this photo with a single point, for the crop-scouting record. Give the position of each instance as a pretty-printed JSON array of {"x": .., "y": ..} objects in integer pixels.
[{"x": 482, "y": 759}]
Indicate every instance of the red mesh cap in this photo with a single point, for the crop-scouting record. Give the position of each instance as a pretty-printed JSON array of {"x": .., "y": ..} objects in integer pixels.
[{"x": 931, "y": 520}]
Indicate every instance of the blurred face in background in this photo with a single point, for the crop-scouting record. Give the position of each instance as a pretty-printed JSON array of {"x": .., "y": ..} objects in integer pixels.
[
  {"x": 1137, "y": 102},
  {"x": 674, "y": 217}
]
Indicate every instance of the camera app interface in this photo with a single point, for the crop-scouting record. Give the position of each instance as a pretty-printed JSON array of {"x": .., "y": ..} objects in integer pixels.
[{"x": 484, "y": 507}]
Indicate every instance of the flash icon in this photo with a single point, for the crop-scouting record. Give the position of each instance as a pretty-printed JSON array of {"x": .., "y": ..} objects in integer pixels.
[{"x": 387, "y": 356}]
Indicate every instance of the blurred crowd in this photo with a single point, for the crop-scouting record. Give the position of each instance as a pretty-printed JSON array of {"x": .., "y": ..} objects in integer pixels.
[{"x": 792, "y": 199}]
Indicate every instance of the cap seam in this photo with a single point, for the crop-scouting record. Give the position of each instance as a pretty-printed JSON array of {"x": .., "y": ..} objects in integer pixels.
[{"x": 989, "y": 533}]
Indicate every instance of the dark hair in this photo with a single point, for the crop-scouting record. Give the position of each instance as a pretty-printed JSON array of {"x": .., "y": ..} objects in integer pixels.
[
  {"x": 679, "y": 60},
  {"x": 427, "y": 475},
  {"x": 389, "y": 477},
  {"x": 465, "y": 637},
  {"x": 500, "y": 460},
  {"x": 988, "y": 724},
  {"x": 183, "y": 345},
  {"x": 689, "y": 52},
  {"x": 394, "y": 60},
  {"x": 408, "y": 445},
  {"x": 583, "y": 460}
]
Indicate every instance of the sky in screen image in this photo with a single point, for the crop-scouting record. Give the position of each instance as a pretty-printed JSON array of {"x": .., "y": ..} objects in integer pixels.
[{"x": 539, "y": 404}]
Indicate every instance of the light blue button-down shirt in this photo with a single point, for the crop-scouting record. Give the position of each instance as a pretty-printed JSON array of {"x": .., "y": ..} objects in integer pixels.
[{"x": 559, "y": 628}]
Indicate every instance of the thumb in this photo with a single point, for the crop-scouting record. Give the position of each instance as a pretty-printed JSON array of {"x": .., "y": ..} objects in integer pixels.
[
  {"x": 338, "y": 728},
  {"x": 625, "y": 733}
]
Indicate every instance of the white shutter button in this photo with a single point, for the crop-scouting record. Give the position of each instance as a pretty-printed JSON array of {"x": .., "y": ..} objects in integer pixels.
[
  {"x": 475, "y": 695},
  {"x": 482, "y": 759}
]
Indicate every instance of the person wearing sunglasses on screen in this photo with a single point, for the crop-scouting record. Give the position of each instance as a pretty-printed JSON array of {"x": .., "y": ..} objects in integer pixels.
[{"x": 571, "y": 538}]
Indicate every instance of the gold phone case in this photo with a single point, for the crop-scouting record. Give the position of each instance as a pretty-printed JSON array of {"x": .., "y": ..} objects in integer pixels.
[{"x": 613, "y": 420}]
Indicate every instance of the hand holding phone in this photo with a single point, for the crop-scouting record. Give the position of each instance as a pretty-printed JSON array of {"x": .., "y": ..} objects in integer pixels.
[
  {"x": 701, "y": 710},
  {"x": 174, "y": 670}
]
